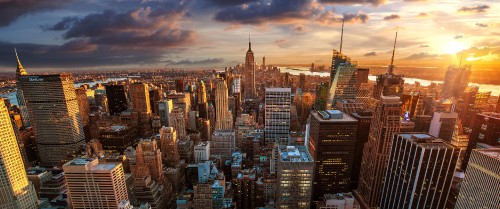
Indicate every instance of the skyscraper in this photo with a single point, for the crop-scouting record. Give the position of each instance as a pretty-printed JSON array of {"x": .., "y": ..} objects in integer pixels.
[
  {"x": 54, "y": 115},
  {"x": 20, "y": 71},
  {"x": 443, "y": 125},
  {"x": 364, "y": 119},
  {"x": 223, "y": 143},
  {"x": 223, "y": 118},
  {"x": 249, "y": 77},
  {"x": 294, "y": 177},
  {"x": 419, "y": 172},
  {"x": 482, "y": 179},
  {"x": 201, "y": 92},
  {"x": 277, "y": 115},
  {"x": 16, "y": 192},
  {"x": 455, "y": 81},
  {"x": 389, "y": 84},
  {"x": 385, "y": 122},
  {"x": 178, "y": 122},
  {"x": 117, "y": 98},
  {"x": 139, "y": 96},
  {"x": 164, "y": 109},
  {"x": 343, "y": 85},
  {"x": 95, "y": 185},
  {"x": 486, "y": 130},
  {"x": 168, "y": 146},
  {"x": 332, "y": 146}
]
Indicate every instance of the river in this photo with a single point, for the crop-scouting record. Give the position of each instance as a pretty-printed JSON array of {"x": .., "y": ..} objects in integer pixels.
[{"x": 495, "y": 89}]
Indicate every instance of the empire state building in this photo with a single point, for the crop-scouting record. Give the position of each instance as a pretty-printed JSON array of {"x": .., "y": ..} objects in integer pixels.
[{"x": 249, "y": 74}]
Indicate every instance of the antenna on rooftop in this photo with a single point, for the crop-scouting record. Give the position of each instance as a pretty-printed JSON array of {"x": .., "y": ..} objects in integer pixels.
[
  {"x": 391, "y": 67},
  {"x": 342, "y": 35}
]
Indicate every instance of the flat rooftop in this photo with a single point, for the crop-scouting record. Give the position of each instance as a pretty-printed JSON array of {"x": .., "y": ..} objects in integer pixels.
[
  {"x": 321, "y": 118},
  {"x": 294, "y": 154},
  {"x": 427, "y": 141}
]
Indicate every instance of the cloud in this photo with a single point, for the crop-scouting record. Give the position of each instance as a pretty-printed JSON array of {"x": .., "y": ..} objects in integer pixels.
[
  {"x": 11, "y": 10},
  {"x": 474, "y": 9},
  {"x": 155, "y": 25},
  {"x": 422, "y": 15},
  {"x": 422, "y": 55},
  {"x": 370, "y": 54},
  {"x": 392, "y": 17},
  {"x": 329, "y": 18},
  {"x": 459, "y": 36},
  {"x": 280, "y": 11},
  {"x": 228, "y": 2},
  {"x": 482, "y": 25},
  {"x": 62, "y": 25},
  {"x": 196, "y": 62},
  {"x": 280, "y": 41},
  {"x": 424, "y": 46},
  {"x": 373, "y": 2}
]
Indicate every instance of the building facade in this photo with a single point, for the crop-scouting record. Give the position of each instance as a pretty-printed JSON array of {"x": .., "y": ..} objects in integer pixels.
[{"x": 277, "y": 115}]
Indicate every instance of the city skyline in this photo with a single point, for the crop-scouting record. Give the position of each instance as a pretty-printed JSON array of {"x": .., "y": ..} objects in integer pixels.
[{"x": 76, "y": 35}]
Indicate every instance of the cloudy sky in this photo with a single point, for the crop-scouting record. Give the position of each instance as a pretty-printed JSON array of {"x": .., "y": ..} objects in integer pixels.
[{"x": 105, "y": 34}]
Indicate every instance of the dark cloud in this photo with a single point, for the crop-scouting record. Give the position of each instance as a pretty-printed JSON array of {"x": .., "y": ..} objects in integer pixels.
[
  {"x": 64, "y": 24},
  {"x": 154, "y": 25},
  {"x": 474, "y": 9},
  {"x": 420, "y": 56},
  {"x": 228, "y": 2},
  {"x": 280, "y": 41},
  {"x": 73, "y": 54},
  {"x": 373, "y": 2},
  {"x": 262, "y": 12},
  {"x": 370, "y": 54},
  {"x": 11, "y": 10},
  {"x": 459, "y": 36},
  {"x": 424, "y": 46},
  {"x": 482, "y": 25},
  {"x": 196, "y": 62},
  {"x": 329, "y": 18},
  {"x": 392, "y": 17}
]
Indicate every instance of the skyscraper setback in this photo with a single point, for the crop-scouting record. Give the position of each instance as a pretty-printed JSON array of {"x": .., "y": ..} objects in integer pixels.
[
  {"x": 385, "y": 122},
  {"x": 20, "y": 71},
  {"x": 389, "y": 84},
  {"x": 15, "y": 189},
  {"x": 54, "y": 115}
]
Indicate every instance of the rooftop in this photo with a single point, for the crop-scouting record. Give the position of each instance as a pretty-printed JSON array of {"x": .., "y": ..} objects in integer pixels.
[
  {"x": 427, "y": 141},
  {"x": 294, "y": 154},
  {"x": 492, "y": 152},
  {"x": 332, "y": 116}
]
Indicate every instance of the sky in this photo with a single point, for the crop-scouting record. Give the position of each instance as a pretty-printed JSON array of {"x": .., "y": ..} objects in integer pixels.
[{"x": 119, "y": 34}]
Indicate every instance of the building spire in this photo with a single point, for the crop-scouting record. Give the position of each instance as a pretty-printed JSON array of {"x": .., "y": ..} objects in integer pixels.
[
  {"x": 342, "y": 36},
  {"x": 391, "y": 67},
  {"x": 20, "y": 70},
  {"x": 249, "y": 43}
]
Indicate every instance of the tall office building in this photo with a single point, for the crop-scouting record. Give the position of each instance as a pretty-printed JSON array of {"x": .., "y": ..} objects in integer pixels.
[
  {"x": 54, "y": 115},
  {"x": 385, "y": 122},
  {"x": 343, "y": 85},
  {"x": 95, "y": 185},
  {"x": 249, "y": 77},
  {"x": 455, "y": 81},
  {"x": 482, "y": 180},
  {"x": 337, "y": 59},
  {"x": 148, "y": 160},
  {"x": 294, "y": 177},
  {"x": 177, "y": 121},
  {"x": 83, "y": 104},
  {"x": 117, "y": 98},
  {"x": 277, "y": 115},
  {"x": 20, "y": 71},
  {"x": 164, "y": 109},
  {"x": 201, "y": 92},
  {"x": 332, "y": 146},
  {"x": 168, "y": 146},
  {"x": 419, "y": 172},
  {"x": 389, "y": 84},
  {"x": 486, "y": 130},
  {"x": 361, "y": 76},
  {"x": 443, "y": 125},
  {"x": 201, "y": 152},
  {"x": 16, "y": 192},
  {"x": 139, "y": 97},
  {"x": 364, "y": 119},
  {"x": 223, "y": 118}
]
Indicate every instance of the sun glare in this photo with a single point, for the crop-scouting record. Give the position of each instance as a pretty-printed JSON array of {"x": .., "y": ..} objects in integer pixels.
[{"x": 453, "y": 47}]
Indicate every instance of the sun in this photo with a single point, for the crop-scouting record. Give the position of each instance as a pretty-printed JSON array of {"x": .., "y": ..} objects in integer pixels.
[{"x": 454, "y": 47}]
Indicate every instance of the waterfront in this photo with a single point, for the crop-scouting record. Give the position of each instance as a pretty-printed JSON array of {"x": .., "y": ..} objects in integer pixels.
[{"x": 495, "y": 89}]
